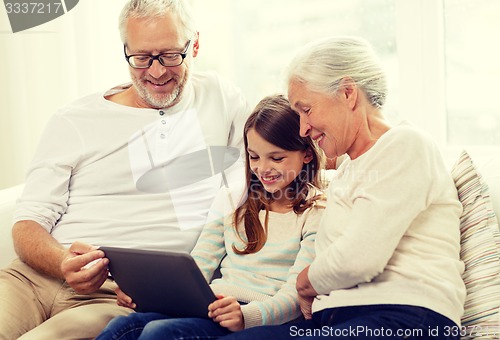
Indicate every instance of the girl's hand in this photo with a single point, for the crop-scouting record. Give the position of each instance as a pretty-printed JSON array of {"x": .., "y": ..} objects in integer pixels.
[
  {"x": 123, "y": 299},
  {"x": 227, "y": 312}
]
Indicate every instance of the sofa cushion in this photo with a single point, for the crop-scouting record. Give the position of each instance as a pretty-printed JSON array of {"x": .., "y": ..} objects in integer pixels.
[{"x": 480, "y": 237}]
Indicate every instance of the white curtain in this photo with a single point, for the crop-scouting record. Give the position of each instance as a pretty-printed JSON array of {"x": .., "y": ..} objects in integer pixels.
[{"x": 47, "y": 66}]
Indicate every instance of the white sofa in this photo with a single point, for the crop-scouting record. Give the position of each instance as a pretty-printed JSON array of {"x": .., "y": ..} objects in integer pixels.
[
  {"x": 484, "y": 288},
  {"x": 7, "y": 203}
]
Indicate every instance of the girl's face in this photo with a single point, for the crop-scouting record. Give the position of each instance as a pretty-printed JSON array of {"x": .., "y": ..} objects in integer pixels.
[{"x": 275, "y": 167}]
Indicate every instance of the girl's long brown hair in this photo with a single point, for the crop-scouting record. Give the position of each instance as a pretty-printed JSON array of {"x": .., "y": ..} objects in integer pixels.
[{"x": 278, "y": 124}]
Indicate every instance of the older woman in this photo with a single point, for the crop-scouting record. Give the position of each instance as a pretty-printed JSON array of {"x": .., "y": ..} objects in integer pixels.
[{"x": 388, "y": 247}]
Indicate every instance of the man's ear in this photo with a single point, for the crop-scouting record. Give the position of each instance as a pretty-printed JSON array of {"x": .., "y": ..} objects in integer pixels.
[
  {"x": 196, "y": 44},
  {"x": 349, "y": 91},
  {"x": 309, "y": 156}
]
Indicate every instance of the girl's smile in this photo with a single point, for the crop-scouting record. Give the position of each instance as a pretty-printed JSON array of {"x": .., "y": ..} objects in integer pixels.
[{"x": 275, "y": 167}]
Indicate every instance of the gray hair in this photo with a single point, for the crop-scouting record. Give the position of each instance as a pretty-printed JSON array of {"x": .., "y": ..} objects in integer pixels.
[
  {"x": 155, "y": 9},
  {"x": 321, "y": 66}
]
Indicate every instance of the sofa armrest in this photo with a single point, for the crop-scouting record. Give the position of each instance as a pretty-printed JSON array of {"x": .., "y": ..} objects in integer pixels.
[{"x": 8, "y": 199}]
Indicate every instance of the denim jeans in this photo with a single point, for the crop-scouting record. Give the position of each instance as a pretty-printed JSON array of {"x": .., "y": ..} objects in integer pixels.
[
  {"x": 361, "y": 322},
  {"x": 159, "y": 326}
]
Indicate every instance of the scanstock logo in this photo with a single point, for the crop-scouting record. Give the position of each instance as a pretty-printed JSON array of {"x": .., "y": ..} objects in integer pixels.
[{"x": 25, "y": 14}]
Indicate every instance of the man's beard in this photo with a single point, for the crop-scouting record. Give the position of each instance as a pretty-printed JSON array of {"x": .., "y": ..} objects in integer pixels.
[{"x": 159, "y": 101}]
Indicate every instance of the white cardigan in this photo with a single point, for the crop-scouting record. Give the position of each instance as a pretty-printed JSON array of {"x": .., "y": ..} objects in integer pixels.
[{"x": 390, "y": 233}]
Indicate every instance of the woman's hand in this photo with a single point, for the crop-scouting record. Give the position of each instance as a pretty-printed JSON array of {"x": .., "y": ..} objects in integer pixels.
[
  {"x": 226, "y": 311},
  {"x": 306, "y": 293},
  {"x": 305, "y": 303},
  {"x": 123, "y": 299}
]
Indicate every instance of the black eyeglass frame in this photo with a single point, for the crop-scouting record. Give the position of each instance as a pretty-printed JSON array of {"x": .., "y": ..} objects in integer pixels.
[{"x": 153, "y": 57}]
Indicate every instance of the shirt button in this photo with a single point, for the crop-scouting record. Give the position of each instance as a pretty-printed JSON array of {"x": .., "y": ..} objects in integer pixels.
[
  {"x": 162, "y": 113},
  {"x": 163, "y": 121},
  {"x": 162, "y": 135}
]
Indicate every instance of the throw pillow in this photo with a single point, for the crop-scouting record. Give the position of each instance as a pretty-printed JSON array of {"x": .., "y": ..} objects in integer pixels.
[{"x": 479, "y": 238}]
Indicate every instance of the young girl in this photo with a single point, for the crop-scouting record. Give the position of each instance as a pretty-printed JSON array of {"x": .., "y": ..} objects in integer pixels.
[{"x": 261, "y": 246}]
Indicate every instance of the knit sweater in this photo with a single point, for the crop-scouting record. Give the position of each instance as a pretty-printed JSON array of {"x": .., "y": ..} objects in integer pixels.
[
  {"x": 390, "y": 231},
  {"x": 264, "y": 281}
]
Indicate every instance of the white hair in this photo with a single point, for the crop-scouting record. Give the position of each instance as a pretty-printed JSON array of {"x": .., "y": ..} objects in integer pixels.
[
  {"x": 155, "y": 9},
  {"x": 321, "y": 66}
]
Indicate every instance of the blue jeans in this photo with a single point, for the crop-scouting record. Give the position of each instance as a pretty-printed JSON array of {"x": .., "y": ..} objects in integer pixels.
[
  {"x": 361, "y": 322},
  {"x": 159, "y": 326}
]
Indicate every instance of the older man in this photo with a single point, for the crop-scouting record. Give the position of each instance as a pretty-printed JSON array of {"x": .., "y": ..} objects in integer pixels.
[{"x": 115, "y": 168}]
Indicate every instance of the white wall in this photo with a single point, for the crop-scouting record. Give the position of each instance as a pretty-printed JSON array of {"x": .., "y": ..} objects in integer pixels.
[
  {"x": 47, "y": 66},
  {"x": 250, "y": 42}
]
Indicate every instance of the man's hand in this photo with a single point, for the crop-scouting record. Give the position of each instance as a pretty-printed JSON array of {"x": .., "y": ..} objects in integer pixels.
[
  {"x": 227, "y": 312},
  {"x": 84, "y": 267},
  {"x": 306, "y": 293}
]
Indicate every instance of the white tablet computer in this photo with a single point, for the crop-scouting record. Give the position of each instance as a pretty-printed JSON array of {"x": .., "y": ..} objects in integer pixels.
[{"x": 160, "y": 281}]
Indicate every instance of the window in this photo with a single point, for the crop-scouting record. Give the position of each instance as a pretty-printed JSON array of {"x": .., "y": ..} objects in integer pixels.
[
  {"x": 435, "y": 52},
  {"x": 254, "y": 40},
  {"x": 472, "y": 54},
  {"x": 441, "y": 58}
]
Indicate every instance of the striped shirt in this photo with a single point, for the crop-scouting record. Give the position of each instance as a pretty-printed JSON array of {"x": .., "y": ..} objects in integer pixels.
[{"x": 265, "y": 280}]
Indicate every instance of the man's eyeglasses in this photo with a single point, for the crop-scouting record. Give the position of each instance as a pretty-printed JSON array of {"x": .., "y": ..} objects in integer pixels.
[{"x": 146, "y": 60}]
